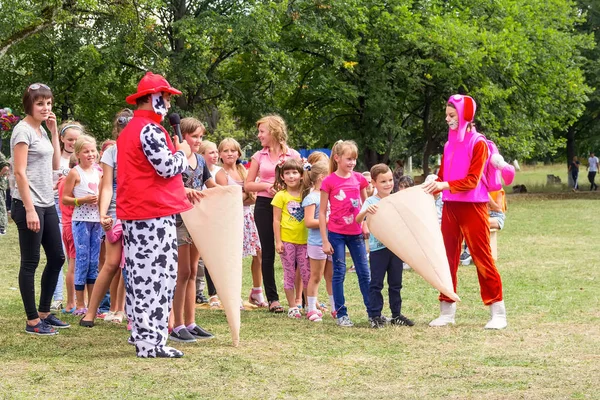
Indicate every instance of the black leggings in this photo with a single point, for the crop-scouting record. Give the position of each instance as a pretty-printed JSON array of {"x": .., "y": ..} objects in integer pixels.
[
  {"x": 263, "y": 216},
  {"x": 29, "y": 242}
]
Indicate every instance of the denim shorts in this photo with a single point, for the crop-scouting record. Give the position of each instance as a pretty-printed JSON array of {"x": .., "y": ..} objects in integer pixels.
[
  {"x": 183, "y": 236},
  {"x": 498, "y": 216}
]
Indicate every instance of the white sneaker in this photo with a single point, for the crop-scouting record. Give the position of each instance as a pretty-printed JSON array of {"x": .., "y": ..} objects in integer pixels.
[
  {"x": 344, "y": 322},
  {"x": 498, "y": 316},
  {"x": 447, "y": 313}
]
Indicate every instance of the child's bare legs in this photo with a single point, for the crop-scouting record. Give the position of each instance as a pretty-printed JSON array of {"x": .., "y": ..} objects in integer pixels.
[
  {"x": 120, "y": 298},
  {"x": 189, "y": 312},
  {"x": 80, "y": 302},
  {"x": 494, "y": 223},
  {"x": 316, "y": 271},
  {"x": 70, "y": 279},
  {"x": 114, "y": 290},
  {"x": 90, "y": 290},
  {"x": 257, "y": 270},
  {"x": 299, "y": 287},
  {"x": 183, "y": 275},
  {"x": 105, "y": 277},
  {"x": 328, "y": 274},
  {"x": 290, "y": 295}
]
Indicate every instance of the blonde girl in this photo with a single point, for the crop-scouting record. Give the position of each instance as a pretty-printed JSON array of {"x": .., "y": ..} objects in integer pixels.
[
  {"x": 209, "y": 151},
  {"x": 290, "y": 231},
  {"x": 110, "y": 275},
  {"x": 81, "y": 191},
  {"x": 344, "y": 191},
  {"x": 195, "y": 177},
  {"x": 320, "y": 263},
  {"x": 234, "y": 173},
  {"x": 68, "y": 131},
  {"x": 272, "y": 134}
]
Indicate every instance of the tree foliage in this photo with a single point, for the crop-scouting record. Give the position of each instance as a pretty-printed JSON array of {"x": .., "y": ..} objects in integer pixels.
[{"x": 378, "y": 72}]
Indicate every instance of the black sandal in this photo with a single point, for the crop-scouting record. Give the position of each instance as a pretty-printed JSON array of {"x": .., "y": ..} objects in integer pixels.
[
  {"x": 86, "y": 324},
  {"x": 278, "y": 309}
]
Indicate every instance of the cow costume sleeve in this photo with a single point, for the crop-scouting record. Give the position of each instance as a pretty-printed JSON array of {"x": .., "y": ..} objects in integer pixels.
[{"x": 161, "y": 158}]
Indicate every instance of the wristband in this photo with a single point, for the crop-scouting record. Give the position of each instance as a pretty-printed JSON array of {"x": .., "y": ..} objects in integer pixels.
[{"x": 76, "y": 202}]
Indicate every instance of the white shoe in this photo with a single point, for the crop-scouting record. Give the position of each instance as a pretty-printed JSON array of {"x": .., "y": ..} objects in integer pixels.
[
  {"x": 498, "y": 316},
  {"x": 447, "y": 313},
  {"x": 110, "y": 316}
]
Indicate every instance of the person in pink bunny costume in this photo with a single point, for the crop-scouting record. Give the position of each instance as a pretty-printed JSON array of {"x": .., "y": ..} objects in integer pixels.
[{"x": 465, "y": 178}]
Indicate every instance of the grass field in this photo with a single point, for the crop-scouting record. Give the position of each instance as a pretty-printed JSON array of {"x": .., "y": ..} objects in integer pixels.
[{"x": 550, "y": 350}]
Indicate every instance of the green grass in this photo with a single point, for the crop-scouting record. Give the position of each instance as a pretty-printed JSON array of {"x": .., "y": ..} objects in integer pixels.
[{"x": 550, "y": 350}]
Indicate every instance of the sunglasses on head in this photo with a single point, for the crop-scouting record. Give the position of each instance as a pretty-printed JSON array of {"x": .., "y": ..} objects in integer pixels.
[
  {"x": 123, "y": 120},
  {"x": 37, "y": 86}
]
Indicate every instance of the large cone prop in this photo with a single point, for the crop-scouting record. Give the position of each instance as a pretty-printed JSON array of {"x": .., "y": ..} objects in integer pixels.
[
  {"x": 406, "y": 223},
  {"x": 216, "y": 225}
]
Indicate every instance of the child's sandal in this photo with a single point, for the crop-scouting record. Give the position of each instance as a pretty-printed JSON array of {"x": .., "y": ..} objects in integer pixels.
[
  {"x": 277, "y": 309},
  {"x": 295, "y": 313},
  {"x": 254, "y": 301}
]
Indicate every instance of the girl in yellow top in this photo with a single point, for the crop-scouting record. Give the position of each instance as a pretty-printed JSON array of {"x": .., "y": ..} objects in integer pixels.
[{"x": 291, "y": 234}]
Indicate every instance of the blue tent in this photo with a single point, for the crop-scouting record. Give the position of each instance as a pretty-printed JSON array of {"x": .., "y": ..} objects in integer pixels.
[{"x": 306, "y": 152}]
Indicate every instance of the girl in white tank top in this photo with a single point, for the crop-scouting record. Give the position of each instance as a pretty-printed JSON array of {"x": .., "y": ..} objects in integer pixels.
[{"x": 81, "y": 191}]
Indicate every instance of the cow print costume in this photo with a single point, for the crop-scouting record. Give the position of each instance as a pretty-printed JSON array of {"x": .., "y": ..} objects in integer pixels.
[{"x": 151, "y": 258}]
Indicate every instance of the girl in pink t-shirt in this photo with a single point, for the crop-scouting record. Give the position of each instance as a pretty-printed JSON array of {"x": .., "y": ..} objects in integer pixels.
[{"x": 344, "y": 191}]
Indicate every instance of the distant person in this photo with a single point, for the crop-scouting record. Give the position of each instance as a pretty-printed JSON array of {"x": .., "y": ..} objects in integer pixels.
[
  {"x": 574, "y": 171},
  {"x": 398, "y": 173},
  {"x": 592, "y": 169},
  {"x": 370, "y": 188},
  {"x": 4, "y": 171}
]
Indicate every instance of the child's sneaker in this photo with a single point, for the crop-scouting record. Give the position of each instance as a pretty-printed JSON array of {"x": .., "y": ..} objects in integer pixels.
[
  {"x": 42, "y": 329},
  {"x": 402, "y": 321},
  {"x": 200, "y": 333},
  {"x": 55, "y": 322},
  {"x": 465, "y": 258},
  {"x": 56, "y": 305},
  {"x": 377, "y": 322},
  {"x": 344, "y": 322},
  {"x": 182, "y": 336},
  {"x": 315, "y": 316},
  {"x": 294, "y": 312}
]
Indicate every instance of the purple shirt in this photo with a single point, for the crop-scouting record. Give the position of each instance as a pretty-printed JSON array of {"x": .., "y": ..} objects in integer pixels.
[{"x": 344, "y": 198}]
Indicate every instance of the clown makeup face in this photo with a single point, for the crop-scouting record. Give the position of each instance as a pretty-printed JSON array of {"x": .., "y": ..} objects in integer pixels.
[
  {"x": 161, "y": 102},
  {"x": 452, "y": 118}
]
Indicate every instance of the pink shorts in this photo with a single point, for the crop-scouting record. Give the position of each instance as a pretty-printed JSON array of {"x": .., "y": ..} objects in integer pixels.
[
  {"x": 316, "y": 253},
  {"x": 114, "y": 235},
  {"x": 67, "y": 238}
]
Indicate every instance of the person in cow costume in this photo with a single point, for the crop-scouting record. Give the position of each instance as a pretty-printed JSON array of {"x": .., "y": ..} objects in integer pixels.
[
  {"x": 471, "y": 167},
  {"x": 150, "y": 193}
]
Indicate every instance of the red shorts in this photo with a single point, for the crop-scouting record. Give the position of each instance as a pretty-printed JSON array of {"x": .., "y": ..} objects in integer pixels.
[{"x": 67, "y": 238}]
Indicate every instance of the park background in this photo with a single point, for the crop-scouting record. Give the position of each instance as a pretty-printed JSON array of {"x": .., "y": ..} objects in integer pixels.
[{"x": 378, "y": 73}]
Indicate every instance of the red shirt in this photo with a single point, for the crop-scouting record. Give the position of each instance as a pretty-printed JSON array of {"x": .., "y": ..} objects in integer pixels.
[{"x": 141, "y": 192}]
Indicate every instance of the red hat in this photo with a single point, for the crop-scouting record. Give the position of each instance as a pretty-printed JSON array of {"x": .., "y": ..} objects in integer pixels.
[{"x": 151, "y": 83}]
